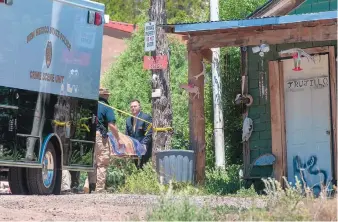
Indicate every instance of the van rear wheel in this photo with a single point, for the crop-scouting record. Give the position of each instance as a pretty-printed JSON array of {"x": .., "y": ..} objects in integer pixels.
[
  {"x": 42, "y": 181},
  {"x": 17, "y": 180}
]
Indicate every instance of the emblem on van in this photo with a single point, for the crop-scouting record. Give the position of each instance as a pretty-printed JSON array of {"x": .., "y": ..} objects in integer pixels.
[{"x": 49, "y": 53}]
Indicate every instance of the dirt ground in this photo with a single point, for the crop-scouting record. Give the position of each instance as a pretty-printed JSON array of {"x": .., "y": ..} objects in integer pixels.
[
  {"x": 89, "y": 207},
  {"x": 71, "y": 207}
]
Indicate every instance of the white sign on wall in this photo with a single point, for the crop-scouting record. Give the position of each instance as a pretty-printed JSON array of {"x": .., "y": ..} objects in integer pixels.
[
  {"x": 301, "y": 84},
  {"x": 150, "y": 36}
]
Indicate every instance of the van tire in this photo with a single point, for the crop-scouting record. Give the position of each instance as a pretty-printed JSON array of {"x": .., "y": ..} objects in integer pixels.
[
  {"x": 42, "y": 181},
  {"x": 17, "y": 180}
]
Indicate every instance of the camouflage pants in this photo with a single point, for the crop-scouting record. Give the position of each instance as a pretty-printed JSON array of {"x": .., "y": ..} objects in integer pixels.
[{"x": 101, "y": 162}]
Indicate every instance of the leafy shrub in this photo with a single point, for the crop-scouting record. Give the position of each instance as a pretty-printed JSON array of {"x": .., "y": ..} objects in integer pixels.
[
  {"x": 218, "y": 181},
  {"x": 251, "y": 192},
  {"x": 142, "y": 181},
  {"x": 174, "y": 209},
  {"x": 223, "y": 181},
  {"x": 170, "y": 210},
  {"x": 180, "y": 188},
  {"x": 118, "y": 172},
  {"x": 83, "y": 176}
]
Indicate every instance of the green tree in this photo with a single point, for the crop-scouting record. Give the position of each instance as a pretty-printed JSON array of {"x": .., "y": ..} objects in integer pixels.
[
  {"x": 179, "y": 11},
  {"x": 134, "y": 11},
  {"x": 130, "y": 11},
  {"x": 234, "y": 9}
]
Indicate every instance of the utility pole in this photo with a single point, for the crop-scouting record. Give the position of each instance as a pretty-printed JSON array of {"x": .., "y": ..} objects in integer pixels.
[
  {"x": 161, "y": 104},
  {"x": 217, "y": 95}
]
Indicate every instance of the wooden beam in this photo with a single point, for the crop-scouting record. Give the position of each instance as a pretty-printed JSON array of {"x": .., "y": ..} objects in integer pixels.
[
  {"x": 315, "y": 50},
  {"x": 207, "y": 55},
  {"x": 178, "y": 37},
  {"x": 196, "y": 114},
  {"x": 333, "y": 87},
  {"x": 243, "y": 37},
  {"x": 277, "y": 118},
  {"x": 282, "y": 118}
]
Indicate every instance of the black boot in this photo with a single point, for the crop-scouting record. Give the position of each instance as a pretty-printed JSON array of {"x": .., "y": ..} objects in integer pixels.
[{"x": 92, "y": 187}]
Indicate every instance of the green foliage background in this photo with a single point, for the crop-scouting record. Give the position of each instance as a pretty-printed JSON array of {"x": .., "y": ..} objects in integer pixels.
[
  {"x": 134, "y": 11},
  {"x": 127, "y": 79}
]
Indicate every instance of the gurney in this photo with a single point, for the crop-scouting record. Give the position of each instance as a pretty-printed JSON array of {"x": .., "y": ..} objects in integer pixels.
[{"x": 131, "y": 149}]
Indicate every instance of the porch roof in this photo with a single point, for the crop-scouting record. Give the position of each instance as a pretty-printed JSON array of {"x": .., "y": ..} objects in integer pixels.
[
  {"x": 319, "y": 26},
  {"x": 192, "y": 28}
]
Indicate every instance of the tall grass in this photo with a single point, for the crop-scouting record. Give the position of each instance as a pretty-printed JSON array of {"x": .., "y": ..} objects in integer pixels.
[{"x": 294, "y": 203}]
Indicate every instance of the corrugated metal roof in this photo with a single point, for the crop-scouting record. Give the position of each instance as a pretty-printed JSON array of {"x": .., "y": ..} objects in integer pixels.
[{"x": 252, "y": 22}]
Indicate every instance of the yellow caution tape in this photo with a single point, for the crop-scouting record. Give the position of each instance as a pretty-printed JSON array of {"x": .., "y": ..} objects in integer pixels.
[
  {"x": 158, "y": 129},
  {"x": 59, "y": 123},
  {"x": 162, "y": 129}
]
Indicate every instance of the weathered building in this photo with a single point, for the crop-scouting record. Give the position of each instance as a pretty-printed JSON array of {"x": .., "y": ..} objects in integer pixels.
[
  {"x": 113, "y": 43},
  {"x": 289, "y": 70},
  {"x": 295, "y": 121}
]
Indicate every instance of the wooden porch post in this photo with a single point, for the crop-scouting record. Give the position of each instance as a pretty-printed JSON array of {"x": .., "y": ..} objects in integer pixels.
[
  {"x": 196, "y": 114},
  {"x": 333, "y": 87}
]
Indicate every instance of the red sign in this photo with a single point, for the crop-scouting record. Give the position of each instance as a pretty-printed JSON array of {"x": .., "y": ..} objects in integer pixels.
[{"x": 155, "y": 62}]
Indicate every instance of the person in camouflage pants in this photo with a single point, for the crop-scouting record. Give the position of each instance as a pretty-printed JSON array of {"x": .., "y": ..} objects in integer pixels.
[{"x": 106, "y": 120}]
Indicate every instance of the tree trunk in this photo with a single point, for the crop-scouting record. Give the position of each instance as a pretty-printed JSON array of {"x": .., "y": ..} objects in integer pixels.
[{"x": 162, "y": 111}]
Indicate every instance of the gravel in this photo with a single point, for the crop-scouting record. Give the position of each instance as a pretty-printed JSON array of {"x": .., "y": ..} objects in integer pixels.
[{"x": 108, "y": 207}]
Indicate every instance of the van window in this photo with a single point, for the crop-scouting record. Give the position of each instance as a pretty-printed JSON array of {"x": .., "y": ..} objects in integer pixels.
[{"x": 6, "y": 96}]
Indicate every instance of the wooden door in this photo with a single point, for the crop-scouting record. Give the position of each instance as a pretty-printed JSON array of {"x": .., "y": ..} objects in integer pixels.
[{"x": 308, "y": 121}]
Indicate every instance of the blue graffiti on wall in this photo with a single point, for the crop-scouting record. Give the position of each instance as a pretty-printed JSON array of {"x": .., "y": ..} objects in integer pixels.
[{"x": 301, "y": 169}]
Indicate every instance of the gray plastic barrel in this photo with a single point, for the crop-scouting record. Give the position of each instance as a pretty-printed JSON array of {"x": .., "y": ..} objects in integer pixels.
[{"x": 176, "y": 165}]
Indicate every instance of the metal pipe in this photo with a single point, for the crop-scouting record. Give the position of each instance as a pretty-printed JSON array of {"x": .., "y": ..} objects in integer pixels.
[{"x": 217, "y": 95}]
